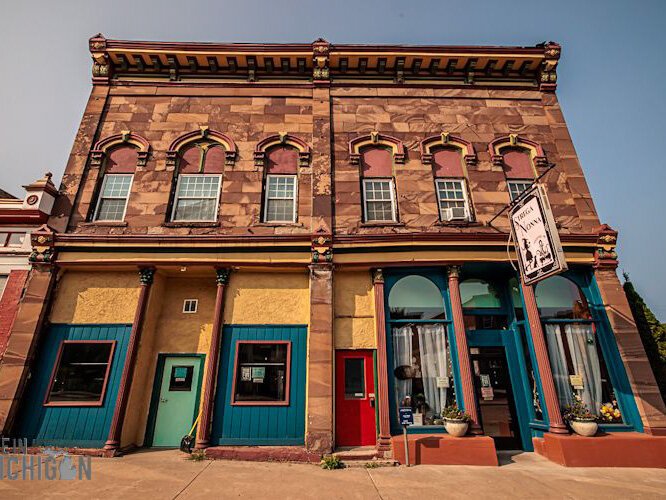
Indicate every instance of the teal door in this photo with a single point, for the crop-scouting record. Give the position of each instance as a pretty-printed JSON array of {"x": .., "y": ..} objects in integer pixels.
[{"x": 176, "y": 404}]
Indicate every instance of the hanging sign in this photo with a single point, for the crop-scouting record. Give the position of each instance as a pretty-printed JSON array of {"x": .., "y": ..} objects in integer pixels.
[{"x": 537, "y": 241}]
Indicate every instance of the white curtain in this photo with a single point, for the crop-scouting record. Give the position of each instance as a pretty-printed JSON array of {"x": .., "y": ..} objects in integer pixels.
[
  {"x": 585, "y": 357},
  {"x": 402, "y": 354},
  {"x": 432, "y": 347},
  {"x": 558, "y": 364}
]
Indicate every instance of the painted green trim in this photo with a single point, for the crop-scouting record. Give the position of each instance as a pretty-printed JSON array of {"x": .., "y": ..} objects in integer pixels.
[{"x": 155, "y": 395}]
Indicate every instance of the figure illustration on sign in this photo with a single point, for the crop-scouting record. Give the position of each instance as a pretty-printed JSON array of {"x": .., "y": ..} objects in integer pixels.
[
  {"x": 544, "y": 253},
  {"x": 530, "y": 259}
]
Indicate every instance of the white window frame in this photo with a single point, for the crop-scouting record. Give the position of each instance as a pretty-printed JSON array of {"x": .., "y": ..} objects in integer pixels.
[
  {"x": 101, "y": 197},
  {"x": 463, "y": 187},
  {"x": 294, "y": 198},
  {"x": 194, "y": 302},
  {"x": 527, "y": 182},
  {"x": 394, "y": 215},
  {"x": 176, "y": 198}
]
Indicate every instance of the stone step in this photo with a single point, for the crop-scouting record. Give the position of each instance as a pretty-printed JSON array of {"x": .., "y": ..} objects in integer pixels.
[
  {"x": 355, "y": 454},
  {"x": 370, "y": 464}
]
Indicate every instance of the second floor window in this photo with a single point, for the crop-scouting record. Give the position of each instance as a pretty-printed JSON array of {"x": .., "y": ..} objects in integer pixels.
[
  {"x": 197, "y": 198},
  {"x": 379, "y": 196},
  {"x": 517, "y": 187},
  {"x": 112, "y": 201},
  {"x": 452, "y": 198},
  {"x": 281, "y": 195}
]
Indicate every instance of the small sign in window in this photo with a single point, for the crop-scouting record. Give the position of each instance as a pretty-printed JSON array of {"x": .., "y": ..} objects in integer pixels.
[
  {"x": 190, "y": 306},
  {"x": 181, "y": 378}
]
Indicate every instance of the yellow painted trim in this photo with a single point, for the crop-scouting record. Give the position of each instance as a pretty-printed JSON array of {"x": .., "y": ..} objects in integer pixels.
[{"x": 201, "y": 258}]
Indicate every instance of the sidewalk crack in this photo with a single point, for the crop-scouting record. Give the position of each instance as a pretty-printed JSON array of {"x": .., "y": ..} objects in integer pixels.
[
  {"x": 374, "y": 484},
  {"x": 192, "y": 480}
]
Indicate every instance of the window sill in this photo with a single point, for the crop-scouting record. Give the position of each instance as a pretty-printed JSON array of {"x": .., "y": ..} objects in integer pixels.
[
  {"x": 191, "y": 224},
  {"x": 382, "y": 224},
  {"x": 278, "y": 224},
  {"x": 104, "y": 223},
  {"x": 456, "y": 223}
]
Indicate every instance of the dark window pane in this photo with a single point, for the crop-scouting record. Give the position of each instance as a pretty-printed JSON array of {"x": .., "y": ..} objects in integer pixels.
[
  {"x": 485, "y": 322},
  {"x": 181, "y": 378},
  {"x": 557, "y": 297},
  {"x": 81, "y": 373},
  {"x": 354, "y": 378},
  {"x": 261, "y": 372},
  {"x": 536, "y": 401},
  {"x": 478, "y": 294},
  {"x": 416, "y": 297}
]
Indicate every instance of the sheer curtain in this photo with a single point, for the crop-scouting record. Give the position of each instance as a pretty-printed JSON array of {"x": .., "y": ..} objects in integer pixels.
[
  {"x": 558, "y": 364},
  {"x": 432, "y": 346},
  {"x": 583, "y": 347},
  {"x": 402, "y": 352}
]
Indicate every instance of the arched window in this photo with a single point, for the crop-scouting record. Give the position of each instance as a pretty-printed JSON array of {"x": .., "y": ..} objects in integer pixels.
[
  {"x": 281, "y": 155},
  {"x": 575, "y": 355},
  {"x": 448, "y": 156},
  {"x": 118, "y": 157},
  {"x": 376, "y": 153},
  {"x": 422, "y": 370},
  {"x": 482, "y": 306},
  {"x": 198, "y": 159},
  {"x": 519, "y": 158}
]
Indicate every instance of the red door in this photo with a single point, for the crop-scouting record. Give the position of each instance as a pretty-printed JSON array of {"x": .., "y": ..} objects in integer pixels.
[{"x": 354, "y": 398}]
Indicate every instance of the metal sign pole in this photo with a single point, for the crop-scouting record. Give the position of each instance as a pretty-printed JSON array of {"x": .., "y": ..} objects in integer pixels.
[{"x": 404, "y": 432}]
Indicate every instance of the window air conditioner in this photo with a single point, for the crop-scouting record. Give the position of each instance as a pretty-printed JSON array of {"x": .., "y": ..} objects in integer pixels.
[{"x": 455, "y": 213}]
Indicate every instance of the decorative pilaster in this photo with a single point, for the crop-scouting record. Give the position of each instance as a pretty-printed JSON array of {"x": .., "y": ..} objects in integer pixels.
[
  {"x": 112, "y": 444},
  {"x": 384, "y": 434},
  {"x": 543, "y": 363},
  {"x": 466, "y": 377},
  {"x": 212, "y": 361}
]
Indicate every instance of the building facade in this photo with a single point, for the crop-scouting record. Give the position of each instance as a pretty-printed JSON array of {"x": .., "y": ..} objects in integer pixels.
[{"x": 287, "y": 242}]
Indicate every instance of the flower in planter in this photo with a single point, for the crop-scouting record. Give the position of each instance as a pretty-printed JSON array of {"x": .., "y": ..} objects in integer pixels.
[
  {"x": 452, "y": 412},
  {"x": 578, "y": 410}
]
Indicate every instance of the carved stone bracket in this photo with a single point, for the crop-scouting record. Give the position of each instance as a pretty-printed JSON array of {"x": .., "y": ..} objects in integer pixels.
[
  {"x": 320, "y": 57},
  {"x": 102, "y": 68},
  {"x": 548, "y": 71},
  {"x": 146, "y": 275},
  {"x": 322, "y": 247},
  {"x": 42, "y": 241},
  {"x": 605, "y": 255},
  {"x": 222, "y": 275}
]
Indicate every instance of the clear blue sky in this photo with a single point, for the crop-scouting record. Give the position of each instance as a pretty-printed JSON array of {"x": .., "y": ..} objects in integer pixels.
[{"x": 611, "y": 80}]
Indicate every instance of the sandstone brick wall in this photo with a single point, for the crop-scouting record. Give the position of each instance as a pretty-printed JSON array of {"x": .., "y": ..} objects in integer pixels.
[
  {"x": 9, "y": 305},
  {"x": 250, "y": 115}
]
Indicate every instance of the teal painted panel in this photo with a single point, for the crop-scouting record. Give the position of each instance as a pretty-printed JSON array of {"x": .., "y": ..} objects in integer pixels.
[
  {"x": 70, "y": 426},
  {"x": 261, "y": 425}
]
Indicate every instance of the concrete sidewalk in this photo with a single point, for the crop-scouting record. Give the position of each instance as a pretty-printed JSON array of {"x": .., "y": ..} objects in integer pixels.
[{"x": 168, "y": 474}]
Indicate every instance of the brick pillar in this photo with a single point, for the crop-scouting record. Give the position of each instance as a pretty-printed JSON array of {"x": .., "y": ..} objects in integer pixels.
[
  {"x": 641, "y": 378},
  {"x": 21, "y": 346},
  {"x": 384, "y": 439},
  {"x": 9, "y": 304},
  {"x": 115, "y": 431},
  {"x": 543, "y": 362},
  {"x": 319, "y": 433},
  {"x": 212, "y": 362},
  {"x": 466, "y": 376}
]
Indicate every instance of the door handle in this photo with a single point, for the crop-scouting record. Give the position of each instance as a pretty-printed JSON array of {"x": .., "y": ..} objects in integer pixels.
[
  {"x": 163, "y": 400},
  {"x": 372, "y": 401}
]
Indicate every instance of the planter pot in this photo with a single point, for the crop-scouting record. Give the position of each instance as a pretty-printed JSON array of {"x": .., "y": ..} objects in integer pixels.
[
  {"x": 587, "y": 428},
  {"x": 456, "y": 428}
]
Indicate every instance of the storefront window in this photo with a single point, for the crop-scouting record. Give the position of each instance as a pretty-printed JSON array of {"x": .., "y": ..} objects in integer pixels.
[
  {"x": 81, "y": 373},
  {"x": 262, "y": 373},
  {"x": 482, "y": 306},
  {"x": 575, "y": 356},
  {"x": 516, "y": 299},
  {"x": 421, "y": 359}
]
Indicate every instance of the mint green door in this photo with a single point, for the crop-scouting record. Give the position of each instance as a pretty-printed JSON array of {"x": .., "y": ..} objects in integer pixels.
[{"x": 177, "y": 405}]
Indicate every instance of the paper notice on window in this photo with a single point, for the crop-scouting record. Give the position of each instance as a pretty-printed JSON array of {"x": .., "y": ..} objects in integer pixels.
[
  {"x": 576, "y": 381},
  {"x": 258, "y": 371},
  {"x": 487, "y": 393},
  {"x": 442, "y": 382},
  {"x": 246, "y": 374},
  {"x": 485, "y": 380}
]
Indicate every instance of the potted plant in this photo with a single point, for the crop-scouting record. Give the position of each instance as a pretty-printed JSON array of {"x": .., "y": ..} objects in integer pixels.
[
  {"x": 610, "y": 413},
  {"x": 580, "y": 418},
  {"x": 456, "y": 421}
]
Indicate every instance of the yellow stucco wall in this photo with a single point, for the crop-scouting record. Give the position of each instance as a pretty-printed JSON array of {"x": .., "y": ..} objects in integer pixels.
[
  {"x": 96, "y": 297},
  {"x": 168, "y": 330},
  {"x": 354, "y": 323},
  {"x": 267, "y": 298}
]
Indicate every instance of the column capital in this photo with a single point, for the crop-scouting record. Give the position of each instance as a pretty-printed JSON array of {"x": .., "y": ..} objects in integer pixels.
[
  {"x": 453, "y": 272},
  {"x": 377, "y": 276},
  {"x": 146, "y": 275},
  {"x": 222, "y": 275}
]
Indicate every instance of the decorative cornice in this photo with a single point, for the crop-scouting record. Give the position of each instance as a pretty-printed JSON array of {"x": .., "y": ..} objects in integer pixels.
[
  {"x": 372, "y": 139},
  {"x": 204, "y": 133},
  {"x": 514, "y": 140},
  {"x": 282, "y": 139},
  {"x": 429, "y": 144},
  {"x": 126, "y": 137}
]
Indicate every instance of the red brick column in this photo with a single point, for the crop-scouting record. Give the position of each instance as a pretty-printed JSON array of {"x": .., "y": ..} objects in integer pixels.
[
  {"x": 9, "y": 304},
  {"x": 467, "y": 380},
  {"x": 213, "y": 362},
  {"x": 319, "y": 433},
  {"x": 384, "y": 438},
  {"x": 543, "y": 363},
  {"x": 113, "y": 441}
]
